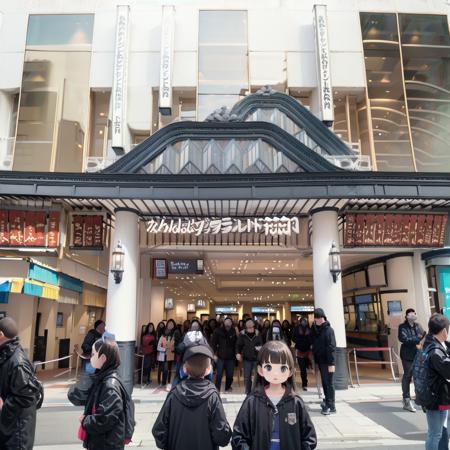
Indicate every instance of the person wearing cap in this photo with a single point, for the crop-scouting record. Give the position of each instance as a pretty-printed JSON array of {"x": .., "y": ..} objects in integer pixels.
[
  {"x": 192, "y": 417},
  {"x": 324, "y": 349},
  {"x": 91, "y": 337},
  {"x": 410, "y": 334}
]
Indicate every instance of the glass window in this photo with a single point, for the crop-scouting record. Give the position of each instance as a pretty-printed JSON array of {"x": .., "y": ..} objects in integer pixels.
[
  {"x": 99, "y": 123},
  {"x": 222, "y": 58},
  {"x": 60, "y": 29}
]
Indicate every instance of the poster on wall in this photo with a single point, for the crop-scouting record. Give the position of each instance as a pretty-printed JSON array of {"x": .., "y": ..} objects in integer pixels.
[
  {"x": 444, "y": 288},
  {"x": 159, "y": 269},
  {"x": 168, "y": 303}
]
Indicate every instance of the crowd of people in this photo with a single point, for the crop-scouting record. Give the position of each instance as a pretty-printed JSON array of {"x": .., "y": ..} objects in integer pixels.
[{"x": 273, "y": 415}]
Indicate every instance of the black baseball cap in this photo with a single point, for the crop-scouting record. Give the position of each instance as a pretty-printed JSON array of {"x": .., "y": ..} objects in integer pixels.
[
  {"x": 197, "y": 350},
  {"x": 319, "y": 313}
]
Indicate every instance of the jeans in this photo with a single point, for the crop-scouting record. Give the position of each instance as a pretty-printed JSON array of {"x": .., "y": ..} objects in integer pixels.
[
  {"x": 249, "y": 368},
  {"x": 407, "y": 377},
  {"x": 327, "y": 384},
  {"x": 303, "y": 364},
  {"x": 228, "y": 366},
  {"x": 437, "y": 437}
]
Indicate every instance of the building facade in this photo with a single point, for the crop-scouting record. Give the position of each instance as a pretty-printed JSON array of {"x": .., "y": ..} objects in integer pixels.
[{"x": 226, "y": 145}]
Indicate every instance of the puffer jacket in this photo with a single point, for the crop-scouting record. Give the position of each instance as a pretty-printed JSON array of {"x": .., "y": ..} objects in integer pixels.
[
  {"x": 223, "y": 342},
  {"x": 323, "y": 344},
  {"x": 253, "y": 426},
  {"x": 105, "y": 429},
  {"x": 410, "y": 337},
  {"x": 248, "y": 346},
  {"x": 20, "y": 393}
]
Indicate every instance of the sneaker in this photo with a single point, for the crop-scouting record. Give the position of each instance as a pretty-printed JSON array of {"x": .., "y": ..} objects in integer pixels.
[
  {"x": 229, "y": 389},
  {"x": 325, "y": 411},
  {"x": 168, "y": 387},
  {"x": 408, "y": 405},
  {"x": 323, "y": 404},
  {"x": 333, "y": 409},
  {"x": 305, "y": 388}
]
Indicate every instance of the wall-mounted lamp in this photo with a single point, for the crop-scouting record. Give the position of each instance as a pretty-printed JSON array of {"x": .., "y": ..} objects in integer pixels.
[
  {"x": 335, "y": 261},
  {"x": 117, "y": 262}
]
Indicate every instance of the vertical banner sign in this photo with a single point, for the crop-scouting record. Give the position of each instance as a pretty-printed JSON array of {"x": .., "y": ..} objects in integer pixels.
[
  {"x": 119, "y": 92},
  {"x": 166, "y": 69},
  {"x": 16, "y": 225},
  {"x": 4, "y": 227},
  {"x": 98, "y": 231},
  {"x": 40, "y": 218},
  {"x": 53, "y": 229},
  {"x": 323, "y": 64},
  {"x": 444, "y": 287}
]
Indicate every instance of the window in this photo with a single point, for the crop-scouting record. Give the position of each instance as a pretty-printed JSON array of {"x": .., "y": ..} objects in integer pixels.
[
  {"x": 222, "y": 59},
  {"x": 54, "y": 101},
  {"x": 99, "y": 123}
]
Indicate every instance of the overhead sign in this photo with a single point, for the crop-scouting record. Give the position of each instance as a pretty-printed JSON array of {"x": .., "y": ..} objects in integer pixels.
[
  {"x": 395, "y": 230},
  {"x": 323, "y": 64},
  {"x": 302, "y": 308},
  {"x": 166, "y": 68},
  {"x": 263, "y": 309},
  {"x": 226, "y": 309},
  {"x": 87, "y": 231},
  {"x": 20, "y": 228},
  {"x": 160, "y": 268},
  {"x": 270, "y": 226},
  {"x": 186, "y": 266},
  {"x": 119, "y": 90}
]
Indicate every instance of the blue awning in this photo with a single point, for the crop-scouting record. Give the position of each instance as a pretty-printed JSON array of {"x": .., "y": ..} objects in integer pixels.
[
  {"x": 4, "y": 297},
  {"x": 5, "y": 286},
  {"x": 40, "y": 273},
  {"x": 70, "y": 283}
]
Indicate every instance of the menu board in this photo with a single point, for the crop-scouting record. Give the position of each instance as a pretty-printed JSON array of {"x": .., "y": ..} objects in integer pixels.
[{"x": 394, "y": 230}]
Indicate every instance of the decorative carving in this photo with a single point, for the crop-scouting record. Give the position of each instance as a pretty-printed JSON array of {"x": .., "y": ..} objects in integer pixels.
[
  {"x": 222, "y": 114},
  {"x": 266, "y": 90}
]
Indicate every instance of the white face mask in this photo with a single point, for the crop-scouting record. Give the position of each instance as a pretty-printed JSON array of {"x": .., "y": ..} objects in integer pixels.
[{"x": 411, "y": 317}]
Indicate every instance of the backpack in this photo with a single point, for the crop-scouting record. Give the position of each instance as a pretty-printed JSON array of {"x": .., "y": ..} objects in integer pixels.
[
  {"x": 425, "y": 395},
  {"x": 128, "y": 409}
]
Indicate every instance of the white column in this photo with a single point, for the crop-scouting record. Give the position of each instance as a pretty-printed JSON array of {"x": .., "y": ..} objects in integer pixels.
[
  {"x": 122, "y": 297},
  {"x": 327, "y": 293}
]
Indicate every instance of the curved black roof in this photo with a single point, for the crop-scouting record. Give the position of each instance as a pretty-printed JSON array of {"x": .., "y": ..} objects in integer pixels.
[{"x": 235, "y": 126}]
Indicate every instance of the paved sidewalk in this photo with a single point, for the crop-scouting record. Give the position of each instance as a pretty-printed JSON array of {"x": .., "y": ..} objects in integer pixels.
[{"x": 349, "y": 428}]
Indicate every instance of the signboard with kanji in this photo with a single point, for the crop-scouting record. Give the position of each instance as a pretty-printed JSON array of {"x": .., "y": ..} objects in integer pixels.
[{"x": 87, "y": 231}]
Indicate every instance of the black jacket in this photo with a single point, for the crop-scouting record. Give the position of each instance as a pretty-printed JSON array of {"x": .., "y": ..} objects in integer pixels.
[
  {"x": 410, "y": 337},
  {"x": 253, "y": 426},
  {"x": 106, "y": 428},
  {"x": 323, "y": 344},
  {"x": 89, "y": 340},
  {"x": 223, "y": 342},
  {"x": 19, "y": 392},
  {"x": 302, "y": 338},
  {"x": 439, "y": 370},
  {"x": 246, "y": 345},
  {"x": 192, "y": 418}
]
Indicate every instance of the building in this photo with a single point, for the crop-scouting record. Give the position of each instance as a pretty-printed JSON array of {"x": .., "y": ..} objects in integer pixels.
[{"x": 154, "y": 125}]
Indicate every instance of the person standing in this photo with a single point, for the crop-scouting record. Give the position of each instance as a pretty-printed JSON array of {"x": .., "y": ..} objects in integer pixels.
[
  {"x": 148, "y": 345},
  {"x": 166, "y": 355},
  {"x": 20, "y": 391},
  {"x": 223, "y": 343},
  {"x": 302, "y": 340},
  {"x": 410, "y": 334},
  {"x": 91, "y": 337},
  {"x": 248, "y": 344},
  {"x": 324, "y": 350}
]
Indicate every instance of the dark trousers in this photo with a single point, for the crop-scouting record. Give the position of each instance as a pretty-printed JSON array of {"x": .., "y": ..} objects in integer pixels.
[
  {"x": 327, "y": 384},
  {"x": 167, "y": 372},
  {"x": 228, "y": 366},
  {"x": 147, "y": 369},
  {"x": 407, "y": 377},
  {"x": 249, "y": 368},
  {"x": 303, "y": 364}
]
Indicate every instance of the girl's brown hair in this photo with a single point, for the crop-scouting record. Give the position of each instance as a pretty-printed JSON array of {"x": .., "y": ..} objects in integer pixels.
[
  {"x": 275, "y": 352},
  {"x": 110, "y": 349}
]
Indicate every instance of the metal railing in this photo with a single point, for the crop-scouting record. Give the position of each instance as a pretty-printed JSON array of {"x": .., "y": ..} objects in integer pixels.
[
  {"x": 355, "y": 361},
  {"x": 36, "y": 364},
  {"x": 141, "y": 369}
]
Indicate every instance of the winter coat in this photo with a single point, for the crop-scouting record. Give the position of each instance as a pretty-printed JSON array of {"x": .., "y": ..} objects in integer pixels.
[
  {"x": 223, "y": 343},
  {"x": 253, "y": 426},
  {"x": 19, "y": 392},
  {"x": 105, "y": 429},
  {"x": 192, "y": 418},
  {"x": 89, "y": 340},
  {"x": 148, "y": 344},
  {"x": 302, "y": 338},
  {"x": 167, "y": 344},
  {"x": 323, "y": 344},
  {"x": 410, "y": 337},
  {"x": 246, "y": 345},
  {"x": 439, "y": 370}
]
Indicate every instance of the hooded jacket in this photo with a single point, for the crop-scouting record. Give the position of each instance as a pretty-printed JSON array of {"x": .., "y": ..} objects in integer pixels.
[
  {"x": 223, "y": 342},
  {"x": 246, "y": 345},
  {"x": 105, "y": 429},
  {"x": 253, "y": 426},
  {"x": 302, "y": 338},
  {"x": 439, "y": 370},
  {"x": 89, "y": 340},
  {"x": 192, "y": 418},
  {"x": 323, "y": 344},
  {"x": 410, "y": 337},
  {"x": 19, "y": 393}
]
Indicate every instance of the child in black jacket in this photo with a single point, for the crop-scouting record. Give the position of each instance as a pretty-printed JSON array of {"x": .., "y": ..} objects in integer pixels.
[
  {"x": 192, "y": 417},
  {"x": 273, "y": 416}
]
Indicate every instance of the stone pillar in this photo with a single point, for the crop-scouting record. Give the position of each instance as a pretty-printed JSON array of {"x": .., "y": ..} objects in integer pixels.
[
  {"x": 327, "y": 293},
  {"x": 122, "y": 297}
]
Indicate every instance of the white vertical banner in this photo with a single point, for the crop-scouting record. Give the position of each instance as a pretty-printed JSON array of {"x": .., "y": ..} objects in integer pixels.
[
  {"x": 323, "y": 63},
  {"x": 166, "y": 69},
  {"x": 119, "y": 91}
]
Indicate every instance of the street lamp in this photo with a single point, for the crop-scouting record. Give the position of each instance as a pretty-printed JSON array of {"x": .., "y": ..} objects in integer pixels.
[
  {"x": 117, "y": 263},
  {"x": 335, "y": 261}
]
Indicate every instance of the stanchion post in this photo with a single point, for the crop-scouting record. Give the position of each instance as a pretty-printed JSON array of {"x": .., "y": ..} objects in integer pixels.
[{"x": 356, "y": 366}]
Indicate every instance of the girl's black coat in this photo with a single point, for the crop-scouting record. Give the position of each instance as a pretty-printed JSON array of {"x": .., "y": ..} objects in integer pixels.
[
  {"x": 253, "y": 426},
  {"x": 106, "y": 428}
]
